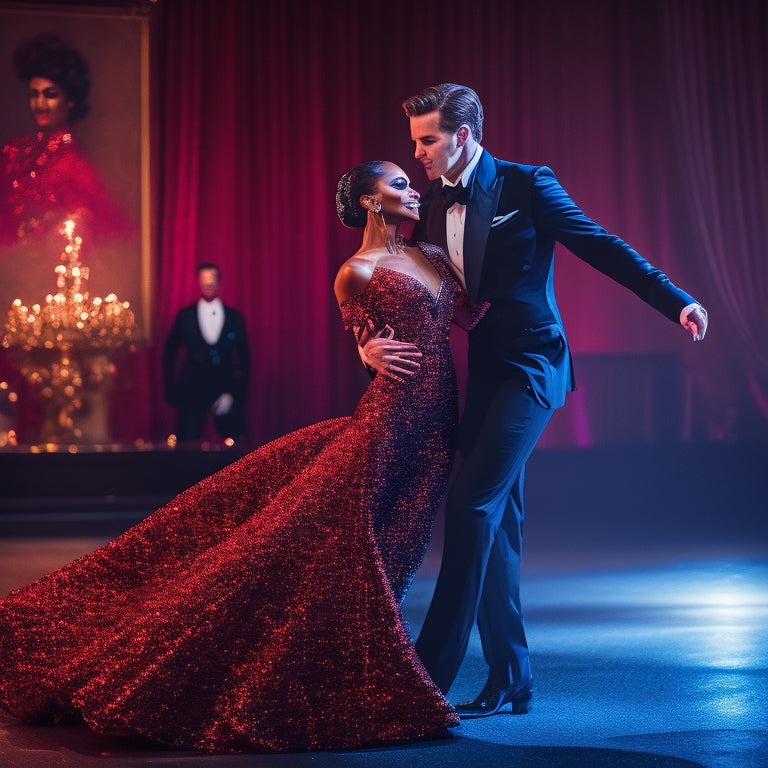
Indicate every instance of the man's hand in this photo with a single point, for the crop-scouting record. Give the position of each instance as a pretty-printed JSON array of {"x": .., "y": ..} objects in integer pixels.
[
  {"x": 386, "y": 355},
  {"x": 694, "y": 319}
]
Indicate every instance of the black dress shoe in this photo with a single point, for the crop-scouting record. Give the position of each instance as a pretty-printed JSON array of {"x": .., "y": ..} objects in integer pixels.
[{"x": 492, "y": 699}]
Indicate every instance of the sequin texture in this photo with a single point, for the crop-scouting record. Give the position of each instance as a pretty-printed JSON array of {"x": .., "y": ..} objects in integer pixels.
[
  {"x": 259, "y": 609},
  {"x": 46, "y": 179}
]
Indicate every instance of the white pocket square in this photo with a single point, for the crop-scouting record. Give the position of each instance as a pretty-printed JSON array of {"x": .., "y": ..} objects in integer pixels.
[{"x": 499, "y": 220}]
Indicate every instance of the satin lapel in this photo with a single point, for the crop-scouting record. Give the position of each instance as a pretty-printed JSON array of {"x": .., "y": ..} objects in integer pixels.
[
  {"x": 227, "y": 320},
  {"x": 480, "y": 212},
  {"x": 194, "y": 325},
  {"x": 229, "y": 323},
  {"x": 435, "y": 218}
]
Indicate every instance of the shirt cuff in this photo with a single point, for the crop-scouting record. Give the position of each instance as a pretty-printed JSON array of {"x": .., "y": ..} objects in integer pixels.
[{"x": 689, "y": 308}]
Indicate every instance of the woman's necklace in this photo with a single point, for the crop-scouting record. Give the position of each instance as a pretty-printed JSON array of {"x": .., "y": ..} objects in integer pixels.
[{"x": 396, "y": 244}]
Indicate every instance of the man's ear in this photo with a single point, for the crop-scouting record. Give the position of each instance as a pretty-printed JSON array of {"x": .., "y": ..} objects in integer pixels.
[{"x": 462, "y": 135}]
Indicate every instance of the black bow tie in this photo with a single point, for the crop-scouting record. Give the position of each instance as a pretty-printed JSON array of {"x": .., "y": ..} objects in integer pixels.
[{"x": 458, "y": 194}]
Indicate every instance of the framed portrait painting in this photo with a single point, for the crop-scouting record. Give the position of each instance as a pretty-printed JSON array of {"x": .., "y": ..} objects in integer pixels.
[{"x": 91, "y": 165}]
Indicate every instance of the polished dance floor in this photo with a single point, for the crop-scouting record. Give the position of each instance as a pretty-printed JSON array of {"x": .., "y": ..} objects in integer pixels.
[{"x": 644, "y": 655}]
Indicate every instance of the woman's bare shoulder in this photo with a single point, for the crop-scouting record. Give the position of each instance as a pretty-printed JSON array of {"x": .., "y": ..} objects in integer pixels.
[{"x": 353, "y": 276}]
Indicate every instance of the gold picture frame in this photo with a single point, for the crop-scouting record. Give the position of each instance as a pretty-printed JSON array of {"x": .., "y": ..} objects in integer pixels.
[{"x": 114, "y": 136}]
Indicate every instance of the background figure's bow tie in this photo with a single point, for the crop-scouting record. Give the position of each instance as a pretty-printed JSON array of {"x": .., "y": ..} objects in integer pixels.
[{"x": 458, "y": 194}]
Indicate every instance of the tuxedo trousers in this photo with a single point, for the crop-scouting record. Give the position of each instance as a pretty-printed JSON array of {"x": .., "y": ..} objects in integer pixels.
[
  {"x": 479, "y": 579},
  {"x": 194, "y": 407},
  {"x": 190, "y": 421}
]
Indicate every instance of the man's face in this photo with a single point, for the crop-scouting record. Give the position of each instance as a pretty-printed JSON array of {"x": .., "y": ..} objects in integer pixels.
[
  {"x": 209, "y": 283},
  {"x": 438, "y": 151}
]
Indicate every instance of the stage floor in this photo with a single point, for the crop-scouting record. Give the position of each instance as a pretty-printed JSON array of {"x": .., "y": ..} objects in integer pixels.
[
  {"x": 647, "y": 618},
  {"x": 662, "y": 664}
]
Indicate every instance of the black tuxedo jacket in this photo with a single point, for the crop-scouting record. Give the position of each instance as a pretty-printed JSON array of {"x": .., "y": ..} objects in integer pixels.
[
  {"x": 207, "y": 370},
  {"x": 515, "y": 215}
]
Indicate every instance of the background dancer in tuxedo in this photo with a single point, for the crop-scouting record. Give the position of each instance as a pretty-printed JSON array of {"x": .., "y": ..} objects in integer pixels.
[{"x": 213, "y": 376}]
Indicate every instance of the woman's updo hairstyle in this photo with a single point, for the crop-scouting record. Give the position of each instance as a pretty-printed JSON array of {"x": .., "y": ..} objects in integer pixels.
[
  {"x": 361, "y": 180},
  {"x": 48, "y": 56}
]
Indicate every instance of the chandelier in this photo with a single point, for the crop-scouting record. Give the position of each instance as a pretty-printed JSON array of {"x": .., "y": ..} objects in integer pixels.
[{"x": 63, "y": 343}]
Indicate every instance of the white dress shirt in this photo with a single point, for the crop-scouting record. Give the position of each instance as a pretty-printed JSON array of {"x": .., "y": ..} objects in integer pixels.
[
  {"x": 455, "y": 217},
  {"x": 210, "y": 318}
]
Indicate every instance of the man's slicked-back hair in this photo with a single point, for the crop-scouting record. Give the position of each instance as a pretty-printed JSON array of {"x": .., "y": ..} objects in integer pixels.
[{"x": 457, "y": 104}]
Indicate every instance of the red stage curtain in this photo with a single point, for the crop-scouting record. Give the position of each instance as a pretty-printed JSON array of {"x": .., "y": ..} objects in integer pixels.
[
  {"x": 262, "y": 107},
  {"x": 719, "y": 89}
]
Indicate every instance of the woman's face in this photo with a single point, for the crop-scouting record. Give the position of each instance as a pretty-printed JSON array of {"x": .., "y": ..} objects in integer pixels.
[
  {"x": 399, "y": 201},
  {"x": 48, "y": 104}
]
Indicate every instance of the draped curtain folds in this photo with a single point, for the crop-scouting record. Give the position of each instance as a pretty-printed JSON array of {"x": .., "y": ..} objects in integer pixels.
[
  {"x": 250, "y": 149},
  {"x": 651, "y": 113},
  {"x": 719, "y": 89}
]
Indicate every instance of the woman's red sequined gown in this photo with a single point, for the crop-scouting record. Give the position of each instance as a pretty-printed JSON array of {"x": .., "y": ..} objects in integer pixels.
[{"x": 259, "y": 610}]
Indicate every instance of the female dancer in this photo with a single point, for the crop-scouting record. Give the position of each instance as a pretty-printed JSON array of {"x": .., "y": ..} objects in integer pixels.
[{"x": 259, "y": 609}]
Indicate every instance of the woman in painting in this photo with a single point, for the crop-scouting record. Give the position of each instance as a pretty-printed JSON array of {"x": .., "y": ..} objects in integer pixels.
[{"x": 46, "y": 178}]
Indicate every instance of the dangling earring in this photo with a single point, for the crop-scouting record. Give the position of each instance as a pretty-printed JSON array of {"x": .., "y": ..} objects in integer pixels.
[
  {"x": 371, "y": 204},
  {"x": 394, "y": 244}
]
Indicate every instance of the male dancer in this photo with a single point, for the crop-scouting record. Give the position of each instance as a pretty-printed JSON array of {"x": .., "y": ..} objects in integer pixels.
[{"x": 498, "y": 222}]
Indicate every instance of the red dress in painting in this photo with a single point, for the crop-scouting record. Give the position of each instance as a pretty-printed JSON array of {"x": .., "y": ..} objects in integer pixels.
[{"x": 46, "y": 179}]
